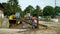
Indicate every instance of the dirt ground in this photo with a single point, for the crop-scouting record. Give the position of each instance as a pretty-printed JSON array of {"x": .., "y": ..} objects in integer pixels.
[
  {"x": 45, "y": 31},
  {"x": 52, "y": 28}
]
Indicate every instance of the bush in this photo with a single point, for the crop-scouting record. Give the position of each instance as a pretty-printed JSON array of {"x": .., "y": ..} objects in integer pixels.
[{"x": 45, "y": 19}]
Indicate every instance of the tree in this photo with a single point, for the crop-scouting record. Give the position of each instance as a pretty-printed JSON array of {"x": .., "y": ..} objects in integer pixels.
[
  {"x": 14, "y": 7},
  {"x": 48, "y": 11},
  {"x": 34, "y": 13},
  {"x": 57, "y": 10},
  {"x": 6, "y": 9},
  {"x": 11, "y": 7},
  {"x": 28, "y": 9}
]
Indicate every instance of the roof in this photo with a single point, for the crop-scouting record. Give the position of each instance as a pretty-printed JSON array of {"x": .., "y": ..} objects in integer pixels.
[{"x": 1, "y": 6}]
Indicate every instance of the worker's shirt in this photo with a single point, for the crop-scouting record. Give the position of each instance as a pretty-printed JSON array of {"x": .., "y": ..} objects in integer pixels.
[{"x": 33, "y": 18}]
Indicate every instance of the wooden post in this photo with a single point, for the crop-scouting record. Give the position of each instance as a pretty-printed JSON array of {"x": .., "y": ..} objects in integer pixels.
[{"x": 37, "y": 9}]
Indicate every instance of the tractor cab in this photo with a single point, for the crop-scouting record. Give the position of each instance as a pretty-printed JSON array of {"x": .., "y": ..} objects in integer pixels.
[{"x": 13, "y": 21}]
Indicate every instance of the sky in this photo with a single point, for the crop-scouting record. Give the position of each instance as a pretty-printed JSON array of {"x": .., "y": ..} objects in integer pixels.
[{"x": 41, "y": 3}]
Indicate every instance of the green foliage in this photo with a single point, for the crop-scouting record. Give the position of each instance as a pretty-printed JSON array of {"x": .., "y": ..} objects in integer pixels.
[
  {"x": 37, "y": 11},
  {"x": 45, "y": 19},
  {"x": 48, "y": 11},
  {"x": 34, "y": 13},
  {"x": 28, "y": 9},
  {"x": 14, "y": 6},
  {"x": 11, "y": 7},
  {"x": 6, "y": 8},
  {"x": 57, "y": 10}
]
